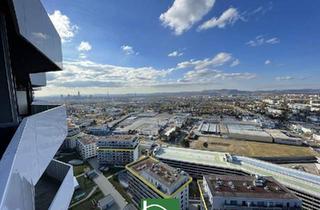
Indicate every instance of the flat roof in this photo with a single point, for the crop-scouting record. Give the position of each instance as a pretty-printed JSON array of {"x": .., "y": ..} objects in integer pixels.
[
  {"x": 247, "y": 130},
  {"x": 275, "y": 133},
  {"x": 88, "y": 139},
  {"x": 216, "y": 159},
  {"x": 118, "y": 138},
  {"x": 164, "y": 173},
  {"x": 245, "y": 186},
  {"x": 148, "y": 167}
]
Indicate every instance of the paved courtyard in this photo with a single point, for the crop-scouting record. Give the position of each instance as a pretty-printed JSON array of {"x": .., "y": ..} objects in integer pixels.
[{"x": 107, "y": 188}]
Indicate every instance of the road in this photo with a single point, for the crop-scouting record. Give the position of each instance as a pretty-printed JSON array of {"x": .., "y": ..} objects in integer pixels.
[{"x": 106, "y": 187}]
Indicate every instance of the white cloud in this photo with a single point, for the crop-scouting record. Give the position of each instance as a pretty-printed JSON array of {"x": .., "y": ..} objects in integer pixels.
[
  {"x": 267, "y": 62},
  {"x": 262, "y": 40},
  {"x": 128, "y": 50},
  {"x": 208, "y": 76},
  {"x": 236, "y": 62},
  {"x": 84, "y": 46},
  {"x": 183, "y": 14},
  {"x": 205, "y": 70},
  {"x": 273, "y": 40},
  {"x": 230, "y": 16},
  {"x": 175, "y": 54},
  {"x": 284, "y": 78},
  {"x": 262, "y": 10},
  {"x": 85, "y": 73},
  {"x": 218, "y": 60},
  {"x": 63, "y": 25}
]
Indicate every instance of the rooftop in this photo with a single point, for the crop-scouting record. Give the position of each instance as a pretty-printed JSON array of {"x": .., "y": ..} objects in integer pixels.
[
  {"x": 88, "y": 139},
  {"x": 247, "y": 130},
  {"x": 148, "y": 168},
  {"x": 288, "y": 177},
  {"x": 247, "y": 186},
  {"x": 275, "y": 133},
  {"x": 118, "y": 138}
]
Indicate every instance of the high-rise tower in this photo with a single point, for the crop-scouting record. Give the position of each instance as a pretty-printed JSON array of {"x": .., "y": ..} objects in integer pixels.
[{"x": 30, "y": 133}]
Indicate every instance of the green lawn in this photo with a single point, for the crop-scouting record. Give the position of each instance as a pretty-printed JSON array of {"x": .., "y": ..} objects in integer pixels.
[
  {"x": 86, "y": 185},
  {"x": 76, "y": 169},
  {"x": 251, "y": 148},
  {"x": 70, "y": 156},
  {"x": 80, "y": 169},
  {"x": 88, "y": 204}
]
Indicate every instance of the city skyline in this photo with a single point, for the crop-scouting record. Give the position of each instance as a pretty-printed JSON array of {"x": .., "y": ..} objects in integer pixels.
[
  {"x": 184, "y": 45},
  {"x": 128, "y": 105}
]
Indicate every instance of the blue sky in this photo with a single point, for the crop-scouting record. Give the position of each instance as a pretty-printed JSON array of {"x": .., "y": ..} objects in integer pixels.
[{"x": 143, "y": 46}]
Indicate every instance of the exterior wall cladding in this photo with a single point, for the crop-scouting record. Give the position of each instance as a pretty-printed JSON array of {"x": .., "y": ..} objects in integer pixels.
[
  {"x": 29, "y": 176},
  {"x": 309, "y": 202},
  {"x": 28, "y": 159},
  {"x": 117, "y": 158},
  {"x": 118, "y": 150}
]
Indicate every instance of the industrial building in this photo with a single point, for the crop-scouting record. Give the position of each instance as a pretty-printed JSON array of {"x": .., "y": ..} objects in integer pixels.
[
  {"x": 117, "y": 150},
  {"x": 230, "y": 192},
  {"x": 281, "y": 137},
  {"x": 198, "y": 163},
  {"x": 150, "y": 124},
  {"x": 87, "y": 146},
  {"x": 144, "y": 124},
  {"x": 248, "y": 132},
  {"x": 209, "y": 128},
  {"x": 150, "y": 178},
  {"x": 30, "y": 134}
]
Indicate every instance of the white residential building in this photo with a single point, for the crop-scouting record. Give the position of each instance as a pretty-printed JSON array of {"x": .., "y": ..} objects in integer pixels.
[{"x": 87, "y": 146}]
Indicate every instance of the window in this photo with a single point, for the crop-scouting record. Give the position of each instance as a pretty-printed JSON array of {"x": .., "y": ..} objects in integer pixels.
[{"x": 233, "y": 202}]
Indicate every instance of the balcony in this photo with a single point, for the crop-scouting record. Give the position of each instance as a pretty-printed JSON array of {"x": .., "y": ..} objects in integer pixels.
[
  {"x": 55, "y": 188},
  {"x": 28, "y": 155}
]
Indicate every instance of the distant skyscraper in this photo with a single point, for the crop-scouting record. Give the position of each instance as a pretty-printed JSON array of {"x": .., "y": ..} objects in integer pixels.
[{"x": 29, "y": 176}]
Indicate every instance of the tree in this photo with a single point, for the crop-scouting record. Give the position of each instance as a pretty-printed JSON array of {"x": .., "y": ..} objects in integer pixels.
[
  {"x": 205, "y": 144},
  {"x": 185, "y": 143}
]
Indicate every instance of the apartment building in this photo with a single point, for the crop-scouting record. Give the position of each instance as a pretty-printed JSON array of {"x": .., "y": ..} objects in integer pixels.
[
  {"x": 117, "y": 150},
  {"x": 73, "y": 135},
  {"x": 150, "y": 178},
  {"x": 231, "y": 192},
  {"x": 87, "y": 146}
]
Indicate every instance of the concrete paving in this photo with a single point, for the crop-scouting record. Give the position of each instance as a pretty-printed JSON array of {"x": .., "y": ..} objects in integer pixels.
[{"x": 106, "y": 187}]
